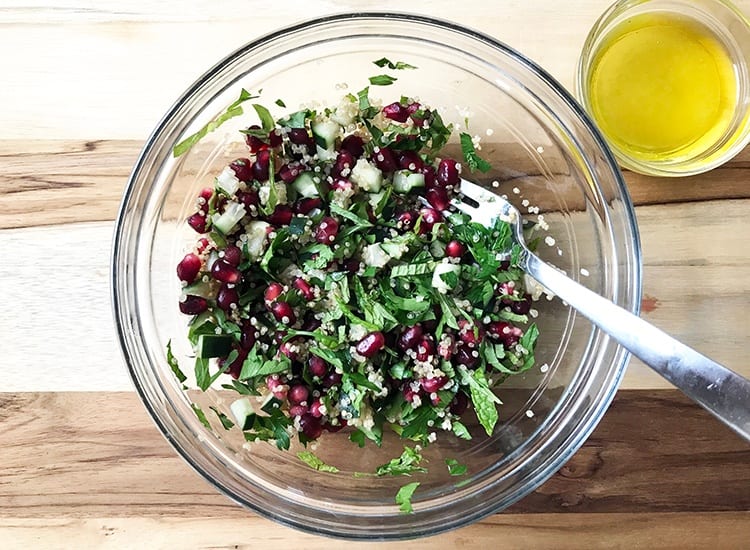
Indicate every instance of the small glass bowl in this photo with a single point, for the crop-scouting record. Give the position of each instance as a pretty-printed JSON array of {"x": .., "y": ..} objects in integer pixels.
[
  {"x": 731, "y": 29},
  {"x": 544, "y": 150}
]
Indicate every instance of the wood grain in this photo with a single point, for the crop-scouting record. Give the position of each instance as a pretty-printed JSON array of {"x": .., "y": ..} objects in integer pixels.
[{"x": 84, "y": 455}]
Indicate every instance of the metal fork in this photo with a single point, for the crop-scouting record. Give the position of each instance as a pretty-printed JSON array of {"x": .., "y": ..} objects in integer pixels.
[{"x": 722, "y": 392}]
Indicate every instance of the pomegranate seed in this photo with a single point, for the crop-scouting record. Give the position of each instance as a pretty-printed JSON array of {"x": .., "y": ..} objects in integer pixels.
[
  {"x": 311, "y": 324},
  {"x": 315, "y": 408},
  {"x": 226, "y": 297},
  {"x": 466, "y": 356},
  {"x": 283, "y": 313},
  {"x": 430, "y": 217},
  {"x": 331, "y": 379},
  {"x": 274, "y": 138},
  {"x": 410, "y": 160},
  {"x": 354, "y": 145},
  {"x": 469, "y": 333},
  {"x": 289, "y": 172},
  {"x": 188, "y": 268},
  {"x": 344, "y": 163},
  {"x": 521, "y": 307},
  {"x": 243, "y": 169},
  {"x": 338, "y": 427},
  {"x": 455, "y": 249},
  {"x": 504, "y": 290},
  {"x": 273, "y": 291},
  {"x": 193, "y": 305},
  {"x": 409, "y": 393},
  {"x": 396, "y": 111},
  {"x": 298, "y": 410},
  {"x": 310, "y": 426},
  {"x": 429, "y": 177},
  {"x": 298, "y": 394},
  {"x": 438, "y": 197},
  {"x": 287, "y": 348},
  {"x": 247, "y": 337},
  {"x": 342, "y": 184},
  {"x": 305, "y": 206},
  {"x": 248, "y": 198},
  {"x": 304, "y": 288},
  {"x": 202, "y": 244},
  {"x": 233, "y": 255},
  {"x": 261, "y": 165},
  {"x": 385, "y": 159},
  {"x": 235, "y": 367},
  {"x": 507, "y": 334},
  {"x": 198, "y": 222},
  {"x": 371, "y": 344},
  {"x": 406, "y": 219},
  {"x": 352, "y": 265},
  {"x": 412, "y": 108},
  {"x": 445, "y": 347},
  {"x": 279, "y": 336},
  {"x": 317, "y": 366},
  {"x": 282, "y": 215},
  {"x": 253, "y": 142},
  {"x": 299, "y": 136},
  {"x": 225, "y": 273},
  {"x": 447, "y": 172},
  {"x": 410, "y": 337},
  {"x": 276, "y": 387},
  {"x": 431, "y": 385},
  {"x": 425, "y": 348},
  {"x": 326, "y": 232},
  {"x": 459, "y": 404},
  {"x": 206, "y": 194}
]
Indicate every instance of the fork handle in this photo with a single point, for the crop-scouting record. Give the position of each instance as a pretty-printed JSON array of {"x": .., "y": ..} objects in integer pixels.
[{"x": 722, "y": 392}]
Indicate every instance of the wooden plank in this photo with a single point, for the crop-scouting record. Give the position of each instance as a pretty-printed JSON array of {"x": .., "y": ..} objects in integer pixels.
[
  {"x": 686, "y": 531},
  {"x": 84, "y": 455}
]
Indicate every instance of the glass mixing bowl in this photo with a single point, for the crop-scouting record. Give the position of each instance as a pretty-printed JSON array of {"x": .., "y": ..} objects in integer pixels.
[{"x": 544, "y": 149}]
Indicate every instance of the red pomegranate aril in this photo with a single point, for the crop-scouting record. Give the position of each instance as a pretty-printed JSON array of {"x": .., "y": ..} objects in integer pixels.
[
  {"x": 352, "y": 265},
  {"x": 410, "y": 337},
  {"x": 304, "y": 288},
  {"x": 447, "y": 172},
  {"x": 298, "y": 410},
  {"x": 247, "y": 337},
  {"x": 317, "y": 366},
  {"x": 274, "y": 138},
  {"x": 248, "y": 198},
  {"x": 282, "y": 215},
  {"x": 429, "y": 177},
  {"x": 261, "y": 165},
  {"x": 254, "y": 143},
  {"x": 233, "y": 255},
  {"x": 235, "y": 367},
  {"x": 425, "y": 348},
  {"x": 406, "y": 219},
  {"x": 446, "y": 346},
  {"x": 521, "y": 307},
  {"x": 396, "y": 111},
  {"x": 505, "y": 333},
  {"x": 338, "y": 427},
  {"x": 430, "y": 217},
  {"x": 409, "y": 393},
  {"x": 466, "y": 356},
  {"x": 342, "y": 184},
  {"x": 459, "y": 404},
  {"x": 224, "y": 272},
  {"x": 193, "y": 305},
  {"x": 310, "y": 426},
  {"x": 343, "y": 165},
  {"x": 226, "y": 297},
  {"x": 431, "y": 385},
  {"x": 273, "y": 291},
  {"x": 198, "y": 222},
  {"x": 469, "y": 333},
  {"x": 305, "y": 206},
  {"x": 283, "y": 313},
  {"x": 326, "y": 232},
  {"x": 354, "y": 145},
  {"x": 311, "y": 323},
  {"x": 455, "y": 249},
  {"x": 289, "y": 172},
  {"x": 410, "y": 160},
  {"x": 202, "y": 244},
  {"x": 438, "y": 197},
  {"x": 289, "y": 349},
  {"x": 299, "y": 136},
  {"x": 371, "y": 344},
  {"x": 298, "y": 394},
  {"x": 504, "y": 290},
  {"x": 316, "y": 408},
  {"x": 243, "y": 169},
  {"x": 277, "y": 387},
  {"x": 188, "y": 268},
  {"x": 331, "y": 379},
  {"x": 412, "y": 109},
  {"x": 385, "y": 159}
]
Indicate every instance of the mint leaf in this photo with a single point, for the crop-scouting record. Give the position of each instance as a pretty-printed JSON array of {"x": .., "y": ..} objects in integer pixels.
[
  {"x": 315, "y": 463},
  {"x": 398, "y": 65},
  {"x": 358, "y": 437},
  {"x": 351, "y": 216},
  {"x": 254, "y": 365},
  {"x": 234, "y": 110},
  {"x": 280, "y": 103},
  {"x": 295, "y": 120},
  {"x": 382, "y": 80},
  {"x": 455, "y": 468},
  {"x": 404, "y": 495},
  {"x": 173, "y": 364},
  {"x": 224, "y": 419},
  {"x": 404, "y": 465},
  {"x": 460, "y": 430},
  {"x": 484, "y": 400},
  {"x": 471, "y": 157},
  {"x": 266, "y": 120}
]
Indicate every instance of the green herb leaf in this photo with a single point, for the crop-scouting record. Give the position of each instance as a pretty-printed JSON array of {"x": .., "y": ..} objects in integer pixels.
[
  {"x": 411, "y": 269},
  {"x": 254, "y": 365},
  {"x": 455, "y": 468},
  {"x": 173, "y": 364},
  {"x": 460, "y": 430},
  {"x": 201, "y": 415},
  {"x": 382, "y": 80},
  {"x": 280, "y": 103},
  {"x": 351, "y": 216},
  {"x": 484, "y": 400},
  {"x": 234, "y": 110},
  {"x": 295, "y": 120},
  {"x": 404, "y": 496},
  {"x": 358, "y": 437},
  {"x": 224, "y": 419},
  {"x": 266, "y": 120},
  {"x": 474, "y": 161},
  {"x": 404, "y": 465},
  {"x": 315, "y": 463},
  {"x": 398, "y": 65}
]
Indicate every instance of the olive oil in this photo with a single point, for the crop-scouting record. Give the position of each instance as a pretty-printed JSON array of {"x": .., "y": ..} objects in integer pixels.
[{"x": 662, "y": 87}]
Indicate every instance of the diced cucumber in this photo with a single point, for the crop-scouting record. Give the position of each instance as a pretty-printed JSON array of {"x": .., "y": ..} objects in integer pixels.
[
  {"x": 199, "y": 288},
  {"x": 325, "y": 154},
  {"x": 394, "y": 249},
  {"x": 404, "y": 181},
  {"x": 227, "y": 181},
  {"x": 305, "y": 185},
  {"x": 243, "y": 413},
  {"x": 367, "y": 176},
  {"x": 373, "y": 255},
  {"x": 257, "y": 238},
  {"x": 213, "y": 345},
  {"x": 325, "y": 133},
  {"x": 440, "y": 269},
  {"x": 226, "y": 222}
]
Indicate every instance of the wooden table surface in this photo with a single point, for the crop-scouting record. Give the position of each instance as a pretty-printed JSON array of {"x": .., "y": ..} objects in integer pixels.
[{"x": 82, "y": 464}]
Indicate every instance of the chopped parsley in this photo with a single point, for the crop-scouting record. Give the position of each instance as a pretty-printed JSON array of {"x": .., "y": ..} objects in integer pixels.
[
  {"x": 315, "y": 463},
  {"x": 472, "y": 158},
  {"x": 406, "y": 464},
  {"x": 404, "y": 496},
  {"x": 382, "y": 80},
  {"x": 398, "y": 65},
  {"x": 455, "y": 468}
]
